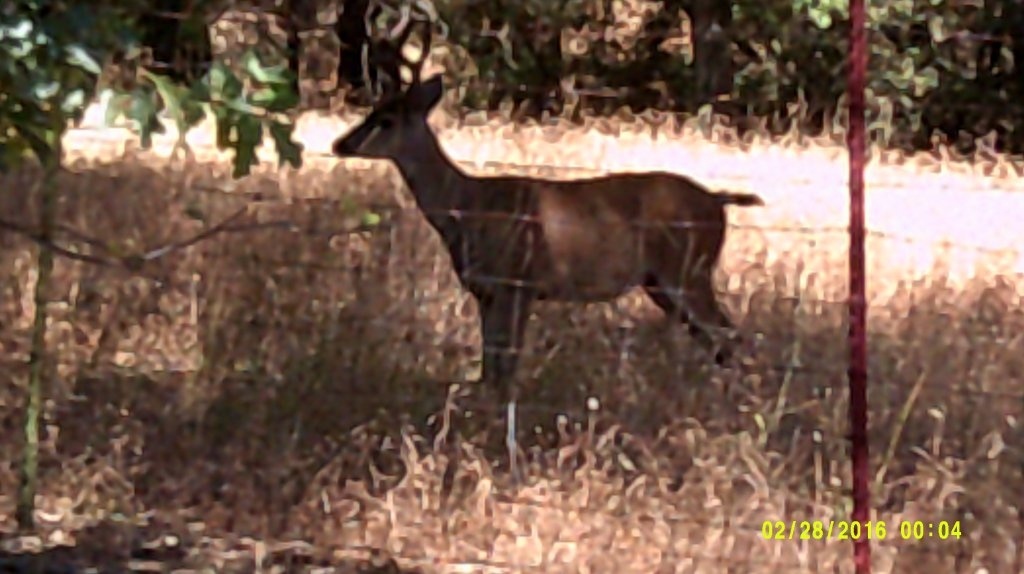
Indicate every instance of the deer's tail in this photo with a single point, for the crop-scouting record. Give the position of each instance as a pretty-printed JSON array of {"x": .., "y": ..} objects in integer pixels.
[{"x": 739, "y": 199}]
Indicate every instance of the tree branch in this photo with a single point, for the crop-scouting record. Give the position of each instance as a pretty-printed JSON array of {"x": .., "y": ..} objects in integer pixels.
[
  {"x": 135, "y": 262},
  {"x": 38, "y": 239},
  {"x": 176, "y": 246},
  {"x": 132, "y": 262}
]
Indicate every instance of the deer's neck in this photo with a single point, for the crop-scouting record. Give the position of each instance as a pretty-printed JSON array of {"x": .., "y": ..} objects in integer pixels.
[
  {"x": 433, "y": 178},
  {"x": 439, "y": 188}
]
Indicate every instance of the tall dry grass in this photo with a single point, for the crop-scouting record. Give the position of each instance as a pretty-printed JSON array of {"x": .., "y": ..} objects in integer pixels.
[{"x": 275, "y": 395}]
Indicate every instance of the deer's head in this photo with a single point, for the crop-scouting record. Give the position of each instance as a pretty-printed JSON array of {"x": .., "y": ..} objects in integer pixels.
[{"x": 397, "y": 127}]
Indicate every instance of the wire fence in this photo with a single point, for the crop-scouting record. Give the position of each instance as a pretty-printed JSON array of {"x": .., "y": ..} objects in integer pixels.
[{"x": 804, "y": 379}]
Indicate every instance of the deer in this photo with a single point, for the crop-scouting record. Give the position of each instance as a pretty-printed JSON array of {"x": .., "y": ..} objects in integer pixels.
[{"x": 514, "y": 241}]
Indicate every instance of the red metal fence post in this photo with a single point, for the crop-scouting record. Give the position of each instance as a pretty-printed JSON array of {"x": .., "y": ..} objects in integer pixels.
[{"x": 855, "y": 142}]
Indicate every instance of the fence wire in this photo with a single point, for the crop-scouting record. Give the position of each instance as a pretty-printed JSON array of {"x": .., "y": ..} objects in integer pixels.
[{"x": 808, "y": 383}]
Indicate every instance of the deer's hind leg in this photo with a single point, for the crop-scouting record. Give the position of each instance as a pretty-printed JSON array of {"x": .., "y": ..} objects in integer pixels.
[
  {"x": 668, "y": 305},
  {"x": 692, "y": 301}
]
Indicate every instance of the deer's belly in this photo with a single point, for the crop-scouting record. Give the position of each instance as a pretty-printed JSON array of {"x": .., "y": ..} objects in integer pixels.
[
  {"x": 566, "y": 282},
  {"x": 592, "y": 270}
]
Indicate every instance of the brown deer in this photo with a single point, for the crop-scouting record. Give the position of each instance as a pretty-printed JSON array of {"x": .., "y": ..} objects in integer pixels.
[{"x": 516, "y": 240}]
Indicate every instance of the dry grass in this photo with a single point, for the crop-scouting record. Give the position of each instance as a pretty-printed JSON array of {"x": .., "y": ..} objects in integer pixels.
[{"x": 275, "y": 385}]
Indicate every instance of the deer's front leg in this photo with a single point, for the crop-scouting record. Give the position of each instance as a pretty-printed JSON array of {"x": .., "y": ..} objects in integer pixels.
[
  {"x": 503, "y": 321},
  {"x": 503, "y": 317}
]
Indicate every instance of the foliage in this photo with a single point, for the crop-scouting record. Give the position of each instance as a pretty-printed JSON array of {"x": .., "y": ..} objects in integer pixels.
[
  {"x": 51, "y": 59},
  {"x": 936, "y": 65},
  {"x": 527, "y": 51},
  {"x": 47, "y": 66}
]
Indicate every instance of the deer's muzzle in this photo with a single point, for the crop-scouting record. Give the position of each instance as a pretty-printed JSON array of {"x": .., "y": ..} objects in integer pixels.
[{"x": 344, "y": 147}]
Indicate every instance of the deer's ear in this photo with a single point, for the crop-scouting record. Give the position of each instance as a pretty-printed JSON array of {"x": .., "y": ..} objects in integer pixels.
[{"x": 429, "y": 93}]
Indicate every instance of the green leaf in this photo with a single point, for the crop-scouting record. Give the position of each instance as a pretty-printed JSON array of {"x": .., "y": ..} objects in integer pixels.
[
  {"x": 19, "y": 31},
  {"x": 288, "y": 150},
  {"x": 275, "y": 100},
  {"x": 250, "y": 136},
  {"x": 278, "y": 74},
  {"x": 241, "y": 106},
  {"x": 216, "y": 79},
  {"x": 117, "y": 106},
  {"x": 194, "y": 112},
  {"x": 77, "y": 56},
  {"x": 50, "y": 55},
  {"x": 224, "y": 122},
  {"x": 185, "y": 112},
  {"x": 45, "y": 90},
  {"x": 222, "y": 82},
  {"x": 73, "y": 103},
  {"x": 200, "y": 91},
  {"x": 143, "y": 111},
  {"x": 167, "y": 90}
]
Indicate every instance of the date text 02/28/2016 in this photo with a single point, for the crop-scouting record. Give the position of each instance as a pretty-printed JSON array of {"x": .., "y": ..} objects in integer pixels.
[{"x": 853, "y": 530}]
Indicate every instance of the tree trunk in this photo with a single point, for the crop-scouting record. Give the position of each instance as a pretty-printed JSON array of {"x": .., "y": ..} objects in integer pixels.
[
  {"x": 711, "y": 48},
  {"x": 353, "y": 35}
]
